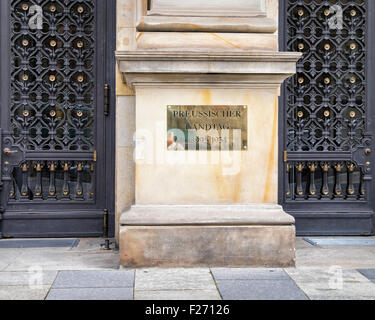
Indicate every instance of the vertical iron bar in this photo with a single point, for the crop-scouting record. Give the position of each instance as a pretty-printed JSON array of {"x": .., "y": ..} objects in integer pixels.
[
  {"x": 287, "y": 180},
  {"x": 299, "y": 188},
  {"x": 38, "y": 194},
  {"x": 66, "y": 188},
  {"x": 79, "y": 188},
  {"x": 351, "y": 194},
  {"x": 25, "y": 186},
  {"x": 312, "y": 186},
  {"x": 338, "y": 186},
  {"x": 52, "y": 181},
  {"x": 325, "y": 187}
]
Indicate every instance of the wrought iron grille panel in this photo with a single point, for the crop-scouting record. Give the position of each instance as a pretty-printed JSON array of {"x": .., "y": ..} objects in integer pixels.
[
  {"x": 50, "y": 181},
  {"x": 325, "y": 181},
  {"x": 52, "y": 105},
  {"x": 326, "y": 99},
  {"x": 326, "y": 125},
  {"x": 52, "y": 87}
]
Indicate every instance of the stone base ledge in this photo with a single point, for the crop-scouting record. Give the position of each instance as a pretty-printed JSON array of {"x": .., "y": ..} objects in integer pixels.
[
  {"x": 207, "y": 236},
  {"x": 166, "y": 215}
]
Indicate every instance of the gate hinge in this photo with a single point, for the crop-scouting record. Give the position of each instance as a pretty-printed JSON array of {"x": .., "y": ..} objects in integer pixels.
[
  {"x": 95, "y": 156},
  {"x": 285, "y": 156},
  {"x": 106, "y": 99}
]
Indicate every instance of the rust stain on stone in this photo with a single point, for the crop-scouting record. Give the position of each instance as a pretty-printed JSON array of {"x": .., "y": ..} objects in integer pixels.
[
  {"x": 206, "y": 96},
  {"x": 271, "y": 159},
  {"x": 228, "y": 187},
  {"x": 196, "y": 27},
  {"x": 226, "y": 41},
  {"x": 125, "y": 42},
  {"x": 139, "y": 36}
]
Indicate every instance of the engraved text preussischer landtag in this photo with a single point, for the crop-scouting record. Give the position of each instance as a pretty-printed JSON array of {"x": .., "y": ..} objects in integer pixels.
[{"x": 207, "y": 127}]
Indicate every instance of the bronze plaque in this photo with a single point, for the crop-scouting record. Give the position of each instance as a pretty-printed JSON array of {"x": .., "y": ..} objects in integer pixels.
[{"x": 210, "y": 127}]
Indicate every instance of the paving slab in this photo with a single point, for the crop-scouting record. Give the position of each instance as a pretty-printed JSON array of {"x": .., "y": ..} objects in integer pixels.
[
  {"x": 63, "y": 260},
  {"x": 346, "y": 257},
  {"x": 23, "y": 292},
  {"x": 174, "y": 279},
  {"x": 94, "y": 279},
  {"x": 249, "y": 274},
  {"x": 348, "y": 290},
  {"x": 332, "y": 282},
  {"x": 368, "y": 273},
  {"x": 328, "y": 298},
  {"x": 324, "y": 275},
  {"x": 38, "y": 243},
  {"x": 177, "y": 295},
  {"x": 93, "y": 244},
  {"x": 260, "y": 290},
  {"x": 7, "y": 257},
  {"x": 22, "y": 278},
  {"x": 337, "y": 241},
  {"x": 302, "y": 244},
  {"x": 91, "y": 294}
]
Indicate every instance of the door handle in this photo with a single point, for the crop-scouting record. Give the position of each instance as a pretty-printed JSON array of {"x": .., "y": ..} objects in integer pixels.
[{"x": 7, "y": 151}]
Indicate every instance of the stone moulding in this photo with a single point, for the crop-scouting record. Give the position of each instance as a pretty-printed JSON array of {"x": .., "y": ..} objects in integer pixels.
[
  {"x": 167, "y": 215},
  {"x": 250, "y": 69},
  {"x": 207, "y": 7},
  {"x": 206, "y": 42},
  {"x": 206, "y": 24}
]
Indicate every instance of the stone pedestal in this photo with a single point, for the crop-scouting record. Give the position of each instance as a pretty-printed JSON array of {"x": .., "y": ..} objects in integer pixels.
[
  {"x": 192, "y": 207},
  {"x": 207, "y": 235}
]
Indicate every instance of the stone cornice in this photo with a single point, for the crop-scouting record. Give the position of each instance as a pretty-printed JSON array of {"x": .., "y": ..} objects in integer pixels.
[
  {"x": 207, "y": 24},
  {"x": 235, "y": 69},
  {"x": 206, "y": 8}
]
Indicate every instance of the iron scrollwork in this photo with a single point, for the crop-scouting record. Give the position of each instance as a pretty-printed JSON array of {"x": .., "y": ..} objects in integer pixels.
[
  {"x": 53, "y": 97},
  {"x": 52, "y": 76},
  {"x": 326, "y": 107}
]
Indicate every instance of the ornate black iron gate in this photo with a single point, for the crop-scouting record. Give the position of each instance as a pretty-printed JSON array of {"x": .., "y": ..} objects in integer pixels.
[
  {"x": 327, "y": 123},
  {"x": 57, "y": 139}
]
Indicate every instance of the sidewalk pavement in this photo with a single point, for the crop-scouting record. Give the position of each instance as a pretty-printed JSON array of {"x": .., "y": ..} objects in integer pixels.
[{"x": 88, "y": 273}]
